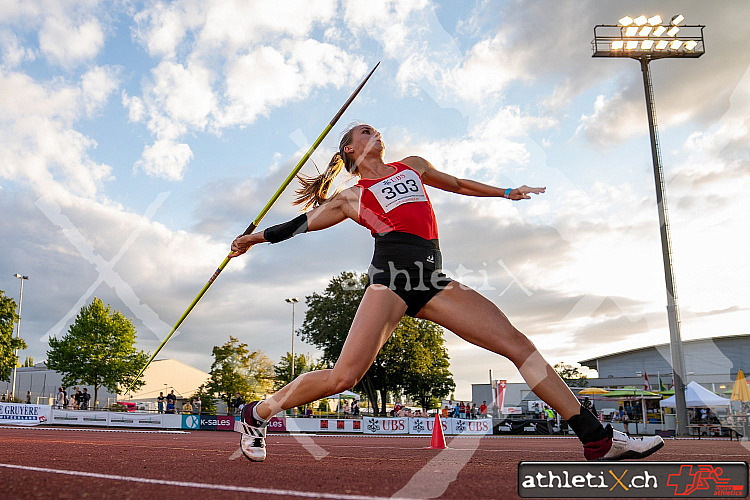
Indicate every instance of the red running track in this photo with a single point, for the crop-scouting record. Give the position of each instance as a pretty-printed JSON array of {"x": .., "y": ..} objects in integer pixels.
[{"x": 57, "y": 463}]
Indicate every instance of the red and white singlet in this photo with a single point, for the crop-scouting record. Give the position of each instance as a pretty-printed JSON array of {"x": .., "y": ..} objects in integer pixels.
[{"x": 397, "y": 202}]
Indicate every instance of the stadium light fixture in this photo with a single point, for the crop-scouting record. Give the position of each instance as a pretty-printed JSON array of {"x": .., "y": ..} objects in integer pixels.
[
  {"x": 18, "y": 335},
  {"x": 651, "y": 45}
]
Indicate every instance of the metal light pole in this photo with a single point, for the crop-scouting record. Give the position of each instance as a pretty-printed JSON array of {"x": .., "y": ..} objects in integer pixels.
[
  {"x": 646, "y": 39},
  {"x": 18, "y": 335},
  {"x": 292, "y": 300}
]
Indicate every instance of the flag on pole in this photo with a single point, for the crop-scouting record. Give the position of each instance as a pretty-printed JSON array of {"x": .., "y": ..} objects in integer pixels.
[
  {"x": 498, "y": 394},
  {"x": 661, "y": 384},
  {"x": 646, "y": 385}
]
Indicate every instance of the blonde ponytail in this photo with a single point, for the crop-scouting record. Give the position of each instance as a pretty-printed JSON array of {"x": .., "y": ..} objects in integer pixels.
[{"x": 314, "y": 190}]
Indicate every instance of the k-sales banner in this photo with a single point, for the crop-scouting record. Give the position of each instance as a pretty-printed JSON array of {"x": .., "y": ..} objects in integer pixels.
[{"x": 23, "y": 414}]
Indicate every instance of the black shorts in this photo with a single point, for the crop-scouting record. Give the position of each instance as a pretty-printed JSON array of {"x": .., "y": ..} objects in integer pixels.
[{"x": 410, "y": 266}]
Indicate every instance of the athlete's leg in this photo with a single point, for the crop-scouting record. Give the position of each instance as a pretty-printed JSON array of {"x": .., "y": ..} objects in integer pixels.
[
  {"x": 475, "y": 319},
  {"x": 377, "y": 316}
]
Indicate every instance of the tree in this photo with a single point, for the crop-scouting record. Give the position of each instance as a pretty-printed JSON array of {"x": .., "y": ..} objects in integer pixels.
[
  {"x": 426, "y": 378},
  {"x": 302, "y": 364},
  {"x": 401, "y": 363},
  {"x": 28, "y": 362},
  {"x": 206, "y": 397},
  {"x": 236, "y": 369},
  {"x": 98, "y": 350},
  {"x": 571, "y": 375},
  {"x": 8, "y": 343}
]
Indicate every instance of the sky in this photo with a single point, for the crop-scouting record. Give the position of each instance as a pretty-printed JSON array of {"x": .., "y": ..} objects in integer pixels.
[{"x": 137, "y": 139}]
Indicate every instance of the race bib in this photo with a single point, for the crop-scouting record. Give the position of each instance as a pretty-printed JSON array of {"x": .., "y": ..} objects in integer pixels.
[{"x": 400, "y": 188}]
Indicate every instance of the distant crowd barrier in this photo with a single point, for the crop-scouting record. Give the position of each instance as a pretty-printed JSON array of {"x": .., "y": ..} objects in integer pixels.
[{"x": 23, "y": 414}]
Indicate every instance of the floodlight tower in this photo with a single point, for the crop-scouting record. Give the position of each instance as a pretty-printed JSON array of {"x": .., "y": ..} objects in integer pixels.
[{"x": 646, "y": 39}]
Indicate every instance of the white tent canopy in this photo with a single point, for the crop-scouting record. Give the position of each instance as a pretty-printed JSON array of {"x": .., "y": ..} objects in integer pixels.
[
  {"x": 345, "y": 395},
  {"x": 696, "y": 396}
]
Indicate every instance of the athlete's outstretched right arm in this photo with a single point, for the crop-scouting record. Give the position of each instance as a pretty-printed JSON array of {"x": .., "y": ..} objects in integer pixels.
[{"x": 326, "y": 215}]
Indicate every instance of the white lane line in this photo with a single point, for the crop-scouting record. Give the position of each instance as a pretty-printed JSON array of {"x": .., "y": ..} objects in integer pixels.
[{"x": 188, "y": 484}]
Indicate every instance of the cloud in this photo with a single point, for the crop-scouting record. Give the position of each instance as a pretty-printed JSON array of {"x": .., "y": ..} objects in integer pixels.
[
  {"x": 166, "y": 159},
  {"x": 13, "y": 53},
  {"x": 67, "y": 44},
  {"x": 41, "y": 145},
  {"x": 224, "y": 65}
]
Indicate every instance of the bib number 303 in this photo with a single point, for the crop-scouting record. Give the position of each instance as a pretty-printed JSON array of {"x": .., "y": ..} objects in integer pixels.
[{"x": 402, "y": 187}]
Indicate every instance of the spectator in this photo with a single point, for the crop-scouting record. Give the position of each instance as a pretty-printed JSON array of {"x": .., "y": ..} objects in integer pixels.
[
  {"x": 238, "y": 402},
  {"x": 72, "y": 404},
  {"x": 28, "y": 398},
  {"x": 85, "y": 398},
  {"x": 160, "y": 402},
  {"x": 60, "y": 401},
  {"x": 473, "y": 410},
  {"x": 78, "y": 397},
  {"x": 347, "y": 408},
  {"x": 171, "y": 400},
  {"x": 483, "y": 409},
  {"x": 407, "y": 412},
  {"x": 196, "y": 406},
  {"x": 187, "y": 408},
  {"x": 457, "y": 411},
  {"x": 355, "y": 408},
  {"x": 446, "y": 411},
  {"x": 462, "y": 410}
]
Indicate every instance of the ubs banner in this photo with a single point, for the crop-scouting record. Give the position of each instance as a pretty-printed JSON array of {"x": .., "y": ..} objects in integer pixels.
[
  {"x": 23, "y": 414},
  {"x": 372, "y": 425}
]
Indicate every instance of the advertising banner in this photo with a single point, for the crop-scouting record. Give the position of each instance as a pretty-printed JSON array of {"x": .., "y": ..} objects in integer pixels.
[
  {"x": 132, "y": 419},
  {"x": 191, "y": 422},
  {"x": 215, "y": 422},
  {"x": 421, "y": 425},
  {"x": 23, "y": 414},
  {"x": 97, "y": 418},
  {"x": 479, "y": 426},
  {"x": 277, "y": 424},
  {"x": 376, "y": 425}
]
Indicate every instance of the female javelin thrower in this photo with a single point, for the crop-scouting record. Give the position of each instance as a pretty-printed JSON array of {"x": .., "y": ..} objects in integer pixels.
[{"x": 405, "y": 277}]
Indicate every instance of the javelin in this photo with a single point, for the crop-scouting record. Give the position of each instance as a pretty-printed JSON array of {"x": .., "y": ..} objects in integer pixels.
[{"x": 254, "y": 224}]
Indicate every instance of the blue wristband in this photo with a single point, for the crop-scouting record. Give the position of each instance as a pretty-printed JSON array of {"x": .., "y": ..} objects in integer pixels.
[{"x": 507, "y": 192}]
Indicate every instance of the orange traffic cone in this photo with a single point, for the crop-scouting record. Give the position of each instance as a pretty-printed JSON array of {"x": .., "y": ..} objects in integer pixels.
[{"x": 438, "y": 440}]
